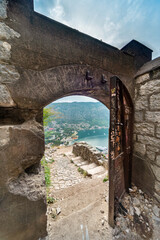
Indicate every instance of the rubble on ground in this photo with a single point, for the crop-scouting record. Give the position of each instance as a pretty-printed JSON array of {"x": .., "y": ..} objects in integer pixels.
[{"x": 141, "y": 220}]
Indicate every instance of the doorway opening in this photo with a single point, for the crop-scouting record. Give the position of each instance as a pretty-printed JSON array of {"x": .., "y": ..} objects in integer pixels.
[{"x": 76, "y": 168}]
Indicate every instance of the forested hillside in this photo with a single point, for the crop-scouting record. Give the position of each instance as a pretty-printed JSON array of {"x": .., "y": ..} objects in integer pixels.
[{"x": 94, "y": 113}]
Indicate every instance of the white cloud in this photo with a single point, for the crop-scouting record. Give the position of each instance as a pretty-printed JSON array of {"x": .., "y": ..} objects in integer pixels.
[{"x": 58, "y": 13}]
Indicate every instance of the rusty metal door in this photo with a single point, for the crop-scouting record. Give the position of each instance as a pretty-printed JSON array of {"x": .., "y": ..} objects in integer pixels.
[{"x": 120, "y": 142}]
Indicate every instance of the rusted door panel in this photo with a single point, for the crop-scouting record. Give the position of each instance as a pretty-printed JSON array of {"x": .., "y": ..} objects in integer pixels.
[
  {"x": 128, "y": 131},
  {"x": 119, "y": 176},
  {"x": 119, "y": 145}
]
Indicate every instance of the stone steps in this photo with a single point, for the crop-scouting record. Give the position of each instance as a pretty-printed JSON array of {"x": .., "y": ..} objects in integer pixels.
[
  {"x": 92, "y": 169},
  {"x": 96, "y": 170},
  {"x": 69, "y": 154},
  {"x": 89, "y": 166},
  {"x": 82, "y": 163}
]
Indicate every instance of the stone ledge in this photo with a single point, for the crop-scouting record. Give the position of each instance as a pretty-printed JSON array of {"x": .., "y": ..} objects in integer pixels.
[{"x": 149, "y": 66}]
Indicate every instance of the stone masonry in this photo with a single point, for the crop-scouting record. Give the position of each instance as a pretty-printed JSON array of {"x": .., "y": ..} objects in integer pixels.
[
  {"x": 8, "y": 73},
  {"x": 146, "y": 163},
  {"x": 40, "y": 61}
]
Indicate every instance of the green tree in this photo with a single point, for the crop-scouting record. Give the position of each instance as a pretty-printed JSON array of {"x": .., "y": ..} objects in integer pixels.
[{"x": 49, "y": 115}]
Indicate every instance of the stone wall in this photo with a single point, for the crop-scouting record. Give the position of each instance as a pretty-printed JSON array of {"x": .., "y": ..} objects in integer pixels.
[
  {"x": 8, "y": 73},
  {"x": 22, "y": 185},
  {"x": 146, "y": 158},
  {"x": 89, "y": 153}
]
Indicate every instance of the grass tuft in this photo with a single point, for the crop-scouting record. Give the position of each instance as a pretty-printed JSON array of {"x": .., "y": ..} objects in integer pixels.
[
  {"x": 105, "y": 179},
  {"x": 47, "y": 172},
  {"x": 50, "y": 200}
]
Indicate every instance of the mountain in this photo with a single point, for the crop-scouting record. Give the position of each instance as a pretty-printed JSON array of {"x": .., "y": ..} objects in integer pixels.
[{"x": 93, "y": 113}]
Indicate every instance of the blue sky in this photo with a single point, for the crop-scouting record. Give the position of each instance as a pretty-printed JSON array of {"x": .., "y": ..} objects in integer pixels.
[{"x": 115, "y": 22}]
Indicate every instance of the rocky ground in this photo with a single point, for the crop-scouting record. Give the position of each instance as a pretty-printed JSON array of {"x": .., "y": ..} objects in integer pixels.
[
  {"x": 80, "y": 209},
  {"x": 139, "y": 219}
]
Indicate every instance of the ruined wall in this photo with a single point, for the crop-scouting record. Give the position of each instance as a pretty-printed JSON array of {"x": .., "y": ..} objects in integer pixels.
[
  {"x": 89, "y": 153},
  {"x": 146, "y": 158}
]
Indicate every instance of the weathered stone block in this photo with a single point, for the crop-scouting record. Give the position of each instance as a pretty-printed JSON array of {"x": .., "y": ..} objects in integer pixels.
[
  {"x": 148, "y": 140},
  {"x": 6, "y": 32},
  {"x": 134, "y": 137},
  {"x": 150, "y": 87},
  {"x": 152, "y": 116},
  {"x": 158, "y": 130},
  {"x": 157, "y": 197},
  {"x": 153, "y": 148},
  {"x": 156, "y": 171},
  {"x": 4, "y": 139},
  {"x": 139, "y": 148},
  {"x": 135, "y": 93},
  {"x": 151, "y": 155},
  {"x": 139, "y": 116},
  {"x": 25, "y": 149},
  {"x": 157, "y": 187},
  {"x": 158, "y": 160},
  {"x": 144, "y": 128},
  {"x": 142, "y": 78},
  {"x": 5, "y": 97},
  {"x": 156, "y": 73},
  {"x": 3, "y": 9},
  {"x": 155, "y": 102},
  {"x": 141, "y": 103},
  {"x": 5, "y": 51},
  {"x": 8, "y": 74}
]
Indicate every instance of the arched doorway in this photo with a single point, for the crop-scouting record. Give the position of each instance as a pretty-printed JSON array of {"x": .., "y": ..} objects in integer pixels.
[
  {"x": 110, "y": 90},
  {"x": 85, "y": 189}
]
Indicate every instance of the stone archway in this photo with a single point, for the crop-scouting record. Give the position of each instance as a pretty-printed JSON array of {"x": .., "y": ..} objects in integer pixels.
[{"x": 23, "y": 147}]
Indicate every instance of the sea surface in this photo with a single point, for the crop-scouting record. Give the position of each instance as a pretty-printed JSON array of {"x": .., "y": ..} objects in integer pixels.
[{"x": 95, "y": 138}]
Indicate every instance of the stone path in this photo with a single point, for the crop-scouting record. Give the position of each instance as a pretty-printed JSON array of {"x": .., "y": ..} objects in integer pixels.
[
  {"x": 81, "y": 207},
  {"x": 63, "y": 171}
]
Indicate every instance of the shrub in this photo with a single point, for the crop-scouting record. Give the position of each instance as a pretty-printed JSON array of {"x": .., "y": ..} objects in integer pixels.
[{"x": 105, "y": 179}]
